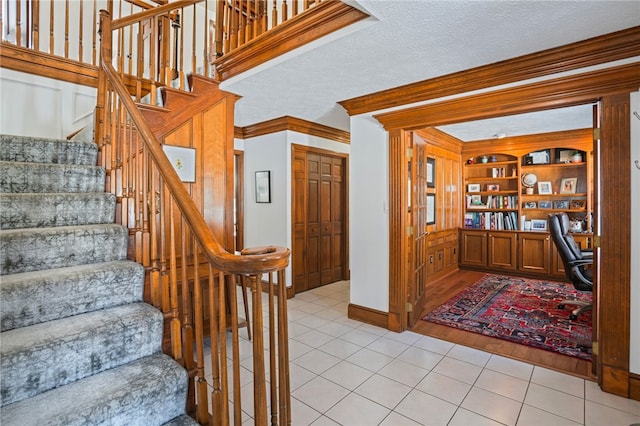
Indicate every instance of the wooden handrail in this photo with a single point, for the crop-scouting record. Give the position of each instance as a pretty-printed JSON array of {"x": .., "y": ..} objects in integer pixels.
[
  {"x": 151, "y": 13},
  {"x": 190, "y": 276}
]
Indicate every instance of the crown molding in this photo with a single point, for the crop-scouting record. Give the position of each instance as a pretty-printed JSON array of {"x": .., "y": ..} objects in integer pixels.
[
  {"x": 549, "y": 94},
  {"x": 323, "y": 19},
  {"x": 295, "y": 125},
  {"x": 594, "y": 51}
]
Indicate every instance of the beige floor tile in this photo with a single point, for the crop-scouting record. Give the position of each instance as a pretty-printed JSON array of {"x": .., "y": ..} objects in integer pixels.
[
  {"x": 444, "y": 387},
  {"x": 383, "y": 390},
  {"x": 459, "y": 370},
  {"x": 502, "y": 384},
  {"x": 347, "y": 375},
  {"x": 426, "y": 409},
  {"x": 355, "y": 410},
  {"x": 369, "y": 359},
  {"x": 531, "y": 416},
  {"x": 320, "y": 394},
  {"x": 492, "y": 405},
  {"x": 403, "y": 372},
  {"x": 556, "y": 402}
]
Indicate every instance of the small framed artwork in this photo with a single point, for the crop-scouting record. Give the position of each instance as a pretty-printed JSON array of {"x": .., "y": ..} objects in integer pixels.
[
  {"x": 183, "y": 161},
  {"x": 561, "y": 205},
  {"x": 431, "y": 209},
  {"x": 493, "y": 187},
  {"x": 530, "y": 205},
  {"x": 545, "y": 204},
  {"x": 431, "y": 172},
  {"x": 263, "y": 186},
  {"x": 577, "y": 204},
  {"x": 538, "y": 225},
  {"x": 568, "y": 185},
  {"x": 473, "y": 187},
  {"x": 544, "y": 188}
]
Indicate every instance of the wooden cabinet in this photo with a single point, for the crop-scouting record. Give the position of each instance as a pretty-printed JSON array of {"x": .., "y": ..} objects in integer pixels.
[
  {"x": 473, "y": 248},
  {"x": 511, "y": 186},
  {"x": 534, "y": 253},
  {"x": 442, "y": 253},
  {"x": 501, "y": 248}
]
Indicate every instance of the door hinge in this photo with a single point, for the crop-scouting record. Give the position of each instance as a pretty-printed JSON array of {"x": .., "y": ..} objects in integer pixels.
[
  {"x": 596, "y": 241},
  {"x": 409, "y": 230},
  {"x": 409, "y": 152},
  {"x": 596, "y": 134},
  {"x": 594, "y": 348},
  {"x": 409, "y": 307}
]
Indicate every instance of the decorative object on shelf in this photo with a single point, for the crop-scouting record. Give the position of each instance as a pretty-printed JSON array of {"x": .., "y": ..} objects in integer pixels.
[
  {"x": 538, "y": 225},
  {"x": 493, "y": 187},
  {"x": 498, "y": 172},
  {"x": 567, "y": 156},
  {"x": 263, "y": 186},
  {"x": 544, "y": 188},
  {"x": 493, "y": 159},
  {"x": 568, "y": 185},
  {"x": 530, "y": 205},
  {"x": 528, "y": 181},
  {"x": 471, "y": 160},
  {"x": 539, "y": 157},
  {"x": 473, "y": 187},
  {"x": 576, "y": 157},
  {"x": 575, "y": 225},
  {"x": 431, "y": 172},
  {"x": 484, "y": 159},
  {"x": 577, "y": 204},
  {"x": 561, "y": 205},
  {"x": 544, "y": 204}
]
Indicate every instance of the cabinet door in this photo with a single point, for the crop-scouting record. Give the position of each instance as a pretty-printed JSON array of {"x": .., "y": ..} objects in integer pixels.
[
  {"x": 502, "y": 250},
  {"x": 473, "y": 246},
  {"x": 534, "y": 253}
]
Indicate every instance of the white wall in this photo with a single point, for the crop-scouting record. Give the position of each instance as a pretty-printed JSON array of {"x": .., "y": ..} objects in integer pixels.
[
  {"x": 39, "y": 106},
  {"x": 634, "y": 355},
  {"x": 270, "y": 223},
  {"x": 369, "y": 214}
]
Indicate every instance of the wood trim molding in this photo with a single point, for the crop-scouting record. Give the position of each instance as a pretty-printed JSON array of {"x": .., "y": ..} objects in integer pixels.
[
  {"x": 634, "y": 384},
  {"x": 565, "y": 91},
  {"x": 323, "y": 19},
  {"x": 598, "y": 50},
  {"x": 440, "y": 139},
  {"x": 42, "y": 64},
  {"x": 295, "y": 125},
  {"x": 367, "y": 315}
]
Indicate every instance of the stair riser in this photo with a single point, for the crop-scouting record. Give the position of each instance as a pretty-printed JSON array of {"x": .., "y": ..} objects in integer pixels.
[
  {"x": 55, "y": 353},
  {"x": 40, "y": 150},
  {"x": 43, "y": 210},
  {"x": 150, "y": 391},
  {"x": 44, "y": 248},
  {"x": 36, "y": 297},
  {"x": 34, "y": 177}
]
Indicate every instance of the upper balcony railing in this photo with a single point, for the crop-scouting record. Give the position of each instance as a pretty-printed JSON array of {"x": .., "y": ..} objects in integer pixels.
[{"x": 213, "y": 38}]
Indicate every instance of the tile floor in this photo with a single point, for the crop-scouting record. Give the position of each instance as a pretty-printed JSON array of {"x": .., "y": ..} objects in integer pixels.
[{"x": 344, "y": 372}]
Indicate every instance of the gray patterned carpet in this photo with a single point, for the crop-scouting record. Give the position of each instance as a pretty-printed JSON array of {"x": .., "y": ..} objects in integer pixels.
[{"x": 78, "y": 344}]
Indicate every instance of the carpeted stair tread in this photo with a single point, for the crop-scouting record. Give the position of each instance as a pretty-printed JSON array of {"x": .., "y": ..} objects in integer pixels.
[
  {"x": 30, "y": 210},
  {"x": 36, "y": 249},
  {"x": 55, "y": 353},
  {"x": 33, "y": 297},
  {"x": 38, "y": 177},
  {"x": 148, "y": 391},
  {"x": 183, "y": 420},
  {"x": 44, "y": 150}
]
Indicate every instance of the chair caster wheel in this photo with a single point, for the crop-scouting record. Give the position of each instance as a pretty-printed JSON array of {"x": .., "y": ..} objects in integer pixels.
[
  {"x": 561, "y": 306},
  {"x": 573, "y": 317}
]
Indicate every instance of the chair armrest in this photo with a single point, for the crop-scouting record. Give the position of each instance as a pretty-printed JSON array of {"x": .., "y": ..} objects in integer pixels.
[{"x": 581, "y": 262}]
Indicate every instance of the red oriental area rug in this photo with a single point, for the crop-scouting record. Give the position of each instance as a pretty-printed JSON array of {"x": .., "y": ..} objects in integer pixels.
[{"x": 521, "y": 310}]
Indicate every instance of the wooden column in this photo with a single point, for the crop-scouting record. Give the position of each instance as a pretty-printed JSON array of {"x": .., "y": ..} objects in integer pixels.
[{"x": 614, "y": 284}]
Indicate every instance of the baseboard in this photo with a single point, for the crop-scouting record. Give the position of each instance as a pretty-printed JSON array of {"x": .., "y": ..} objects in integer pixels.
[
  {"x": 368, "y": 315},
  {"x": 634, "y": 386}
]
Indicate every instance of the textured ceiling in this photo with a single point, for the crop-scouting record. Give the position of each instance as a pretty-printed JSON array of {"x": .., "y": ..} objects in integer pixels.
[{"x": 406, "y": 41}]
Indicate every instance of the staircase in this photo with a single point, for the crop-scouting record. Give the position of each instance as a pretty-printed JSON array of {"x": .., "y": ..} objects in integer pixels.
[{"x": 78, "y": 345}]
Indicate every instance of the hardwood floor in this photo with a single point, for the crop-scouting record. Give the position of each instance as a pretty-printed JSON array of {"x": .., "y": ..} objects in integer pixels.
[{"x": 447, "y": 287}]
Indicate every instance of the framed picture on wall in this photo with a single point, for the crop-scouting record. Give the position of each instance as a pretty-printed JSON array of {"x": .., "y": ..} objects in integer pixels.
[
  {"x": 183, "y": 161},
  {"x": 263, "y": 186},
  {"x": 431, "y": 172},
  {"x": 431, "y": 209}
]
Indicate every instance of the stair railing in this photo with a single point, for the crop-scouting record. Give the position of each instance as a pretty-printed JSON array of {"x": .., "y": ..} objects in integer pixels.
[{"x": 190, "y": 276}]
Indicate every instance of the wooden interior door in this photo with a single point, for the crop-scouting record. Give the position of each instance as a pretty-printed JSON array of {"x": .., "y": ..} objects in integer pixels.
[
  {"x": 417, "y": 239},
  {"x": 319, "y": 225}
]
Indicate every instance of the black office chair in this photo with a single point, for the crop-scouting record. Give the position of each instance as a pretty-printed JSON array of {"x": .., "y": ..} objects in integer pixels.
[{"x": 575, "y": 261}]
